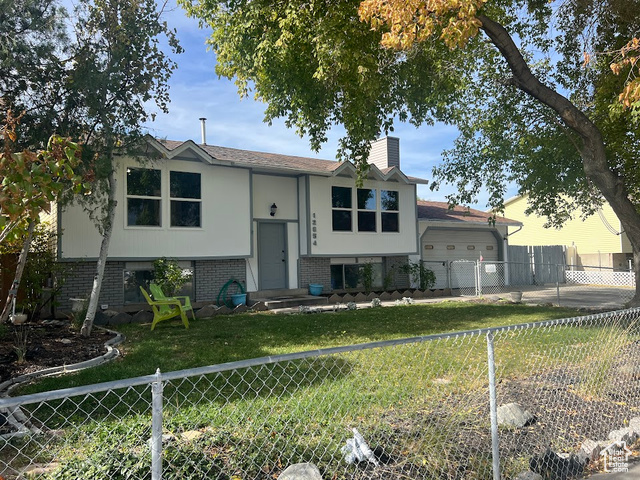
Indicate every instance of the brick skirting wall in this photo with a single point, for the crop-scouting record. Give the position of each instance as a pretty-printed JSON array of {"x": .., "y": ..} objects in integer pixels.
[{"x": 315, "y": 270}]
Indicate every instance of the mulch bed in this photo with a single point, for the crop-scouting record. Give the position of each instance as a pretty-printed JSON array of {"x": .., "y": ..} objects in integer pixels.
[{"x": 49, "y": 344}]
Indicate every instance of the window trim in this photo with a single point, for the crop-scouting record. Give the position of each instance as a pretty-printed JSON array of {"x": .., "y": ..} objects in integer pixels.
[
  {"x": 373, "y": 211},
  {"x": 342, "y": 209},
  {"x": 389, "y": 211},
  {"x": 184, "y": 200}
]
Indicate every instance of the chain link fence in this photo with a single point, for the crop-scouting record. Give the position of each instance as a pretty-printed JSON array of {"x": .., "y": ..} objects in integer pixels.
[{"x": 426, "y": 407}]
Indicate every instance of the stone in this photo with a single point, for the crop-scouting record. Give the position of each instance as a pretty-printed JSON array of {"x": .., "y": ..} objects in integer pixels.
[
  {"x": 143, "y": 316},
  {"x": 335, "y": 298},
  {"x": 385, "y": 296},
  {"x": 407, "y": 294},
  {"x": 110, "y": 313},
  {"x": 259, "y": 307},
  {"x": 224, "y": 310},
  {"x": 428, "y": 293},
  {"x": 121, "y": 318},
  {"x": 360, "y": 297},
  {"x": 438, "y": 293},
  {"x": 240, "y": 309},
  {"x": 65, "y": 341},
  {"x": 396, "y": 295},
  {"x": 418, "y": 294},
  {"x": 528, "y": 475},
  {"x": 371, "y": 296},
  {"x": 347, "y": 298},
  {"x": 207, "y": 311},
  {"x": 446, "y": 292},
  {"x": 514, "y": 415},
  {"x": 553, "y": 465},
  {"x": 191, "y": 435},
  {"x": 301, "y": 471},
  {"x": 101, "y": 318},
  {"x": 626, "y": 435},
  {"x": 591, "y": 449},
  {"x": 38, "y": 469}
]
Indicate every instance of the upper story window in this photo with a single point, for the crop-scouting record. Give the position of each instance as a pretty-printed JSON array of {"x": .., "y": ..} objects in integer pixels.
[
  {"x": 366, "y": 210},
  {"x": 341, "y": 204},
  {"x": 186, "y": 199},
  {"x": 390, "y": 206},
  {"x": 143, "y": 197}
]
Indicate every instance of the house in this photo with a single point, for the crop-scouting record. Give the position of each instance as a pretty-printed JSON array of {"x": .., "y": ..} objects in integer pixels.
[
  {"x": 459, "y": 233},
  {"x": 597, "y": 241},
  {"x": 269, "y": 221}
]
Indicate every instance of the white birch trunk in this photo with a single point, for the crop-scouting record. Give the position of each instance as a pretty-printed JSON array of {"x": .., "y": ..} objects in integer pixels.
[
  {"x": 22, "y": 261},
  {"x": 87, "y": 325}
]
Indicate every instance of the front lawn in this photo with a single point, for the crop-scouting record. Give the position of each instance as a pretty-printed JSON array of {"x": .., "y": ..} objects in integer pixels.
[{"x": 237, "y": 337}]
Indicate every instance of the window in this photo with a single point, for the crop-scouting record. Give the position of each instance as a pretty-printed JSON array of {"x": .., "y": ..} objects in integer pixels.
[
  {"x": 140, "y": 274},
  {"x": 348, "y": 275},
  {"x": 143, "y": 197},
  {"x": 366, "y": 210},
  {"x": 186, "y": 199},
  {"x": 390, "y": 206},
  {"x": 341, "y": 213}
]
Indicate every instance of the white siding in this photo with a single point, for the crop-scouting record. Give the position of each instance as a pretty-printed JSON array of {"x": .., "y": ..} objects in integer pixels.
[
  {"x": 361, "y": 243},
  {"x": 225, "y": 230},
  {"x": 267, "y": 190}
]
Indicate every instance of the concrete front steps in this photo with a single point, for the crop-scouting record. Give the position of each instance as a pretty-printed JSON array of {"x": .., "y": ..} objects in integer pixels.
[{"x": 285, "y": 298}]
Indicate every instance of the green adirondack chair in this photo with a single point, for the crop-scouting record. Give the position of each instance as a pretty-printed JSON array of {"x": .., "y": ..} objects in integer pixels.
[
  {"x": 158, "y": 294},
  {"x": 165, "y": 309}
]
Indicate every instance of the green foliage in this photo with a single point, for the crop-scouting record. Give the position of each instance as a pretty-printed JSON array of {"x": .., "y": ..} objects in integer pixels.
[
  {"x": 168, "y": 274},
  {"x": 420, "y": 274},
  {"x": 366, "y": 277}
]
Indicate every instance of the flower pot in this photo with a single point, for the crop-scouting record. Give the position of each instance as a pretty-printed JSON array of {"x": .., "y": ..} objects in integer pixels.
[
  {"x": 238, "y": 299},
  {"x": 315, "y": 288},
  {"x": 19, "y": 318}
]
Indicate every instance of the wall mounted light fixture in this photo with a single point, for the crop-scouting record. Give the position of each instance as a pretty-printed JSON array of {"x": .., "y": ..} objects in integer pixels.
[{"x": 274, "y": 208}]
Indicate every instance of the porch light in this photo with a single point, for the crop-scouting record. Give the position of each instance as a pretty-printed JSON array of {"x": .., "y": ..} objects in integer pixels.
[{"x": 274, "y": 208}]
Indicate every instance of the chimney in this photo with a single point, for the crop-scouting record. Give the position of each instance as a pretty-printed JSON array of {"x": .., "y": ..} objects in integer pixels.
[
  {"x": 203, "y": 130},
  {"x": 385, "y": 152}
]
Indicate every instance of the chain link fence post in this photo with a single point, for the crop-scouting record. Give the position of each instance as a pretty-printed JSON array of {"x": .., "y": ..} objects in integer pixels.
[
  {"x": 558, "y": 267},
  {"x": 156, "y": 427},
  {"x": 493, "y": 408}
]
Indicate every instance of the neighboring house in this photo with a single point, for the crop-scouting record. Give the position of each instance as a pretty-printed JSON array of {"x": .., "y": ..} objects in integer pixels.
[
  {"x": 597, "y": 241},
  {"x": 459, "y": 234},
  {"x": 270, "y": 221}
]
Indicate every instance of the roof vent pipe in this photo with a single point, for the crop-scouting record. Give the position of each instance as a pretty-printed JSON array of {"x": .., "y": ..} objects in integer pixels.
[{"x": 203, "y": 130}]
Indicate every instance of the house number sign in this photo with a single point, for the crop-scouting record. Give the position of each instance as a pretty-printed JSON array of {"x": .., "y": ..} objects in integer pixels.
[{"x": 314, "y": 229}]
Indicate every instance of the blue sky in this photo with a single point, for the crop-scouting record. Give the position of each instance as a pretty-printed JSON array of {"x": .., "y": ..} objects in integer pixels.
[{"x": 196, "y": 92}]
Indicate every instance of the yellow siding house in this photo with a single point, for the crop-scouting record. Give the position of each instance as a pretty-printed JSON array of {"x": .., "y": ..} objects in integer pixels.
[{"x": 597, "y": 241}]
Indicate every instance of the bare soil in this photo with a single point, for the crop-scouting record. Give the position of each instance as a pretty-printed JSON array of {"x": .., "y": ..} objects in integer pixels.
[{"x": 48, "y": 344}]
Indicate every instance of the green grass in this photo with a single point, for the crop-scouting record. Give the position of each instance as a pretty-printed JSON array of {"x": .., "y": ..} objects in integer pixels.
[
  {"x": 237, "y": 337},
  {"x": 419, "y": 400}
]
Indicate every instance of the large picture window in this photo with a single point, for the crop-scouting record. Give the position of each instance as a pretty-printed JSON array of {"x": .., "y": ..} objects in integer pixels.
[
  {"x": 143, "y": 197},
  {"x": 341, "y": 213},
  {"x": 390, "y": 206},
  {"x": 366, "y": 210},
  {"x": 186, "y": 199}
]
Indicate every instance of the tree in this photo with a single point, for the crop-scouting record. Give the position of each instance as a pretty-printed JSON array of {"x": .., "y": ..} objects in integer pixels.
[
  {"x": 95, "y": 76},
  {"x": 528, "y": 112}
]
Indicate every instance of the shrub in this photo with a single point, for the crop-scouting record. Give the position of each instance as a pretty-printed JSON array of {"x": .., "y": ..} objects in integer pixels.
[{"x": 169, "y": 276}]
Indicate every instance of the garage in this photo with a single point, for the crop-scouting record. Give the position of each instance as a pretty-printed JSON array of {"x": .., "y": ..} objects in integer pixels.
[{"x": 439, "y": 246}]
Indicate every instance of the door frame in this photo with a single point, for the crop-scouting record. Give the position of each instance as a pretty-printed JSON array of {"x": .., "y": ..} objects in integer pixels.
[{"x": 285, "y": 246}]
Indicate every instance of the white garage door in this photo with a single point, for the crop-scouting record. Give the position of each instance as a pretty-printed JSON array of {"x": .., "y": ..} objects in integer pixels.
[{"x": 440, "y": 246}]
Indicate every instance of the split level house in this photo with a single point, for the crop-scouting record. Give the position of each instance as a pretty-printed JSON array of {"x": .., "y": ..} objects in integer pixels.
[{"x": 272, "y": 222}]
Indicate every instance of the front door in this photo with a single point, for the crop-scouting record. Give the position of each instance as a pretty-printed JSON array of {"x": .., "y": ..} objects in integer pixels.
[{"x": 272, "y": 256}]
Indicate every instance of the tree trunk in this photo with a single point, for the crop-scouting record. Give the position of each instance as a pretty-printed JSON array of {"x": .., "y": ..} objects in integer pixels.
[
  {"x": 594, "y": 158},
  {"x": 87, "y": 325},
  {"x": 22, "y": 261}
]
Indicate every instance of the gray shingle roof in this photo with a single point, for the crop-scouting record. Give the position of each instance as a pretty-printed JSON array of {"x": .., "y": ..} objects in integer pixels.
[{"x": 440, "y": 211}]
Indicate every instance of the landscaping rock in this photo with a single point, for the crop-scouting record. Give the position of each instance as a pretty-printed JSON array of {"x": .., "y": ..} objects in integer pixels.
[
  {"x": 335, "y": 298},
  {"x": 301, "y": 471},
  {"x": 371, "y": 296},
  {"x": 360, "y": 297},
  {"x": 428, "y": 293},
  {"x": 634, "y": 425},
  {"x": 407, "y": 294},
  {"x": 101, "y": 318},
  {"x": 224, "y": 310},
  {"x": 396, "y": 295},
  {"x": 240, "y": 309},
  {"x": 418, "y": 294},
  {"x": 348, "y": 298},
  {"x": 385, "y": 296},
  {"x": 207, "y": 311},
  {"x": 626, "y": 435},
  {"x": 438, "y": 293},
  {"x": 143, "y": 316},
  {"x": 259, "y": 307},
  {"x": 528, "y": 475},
  {"x": 446, "y": 291},
  {"x": 121, "y": 318},
  {"x": 110, "y": 313},
  {"x": 514, "y": 415}
]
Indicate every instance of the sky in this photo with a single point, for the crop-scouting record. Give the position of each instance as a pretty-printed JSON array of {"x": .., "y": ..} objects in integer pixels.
[{"x": 196, "y": 91}]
